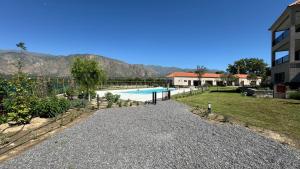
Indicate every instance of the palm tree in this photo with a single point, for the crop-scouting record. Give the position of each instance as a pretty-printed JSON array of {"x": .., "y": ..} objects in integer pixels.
[{"x": 22, "y": 47}]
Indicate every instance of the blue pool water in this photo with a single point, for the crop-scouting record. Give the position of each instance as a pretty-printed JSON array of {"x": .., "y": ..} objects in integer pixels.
[{"x": 148, "y": 91}]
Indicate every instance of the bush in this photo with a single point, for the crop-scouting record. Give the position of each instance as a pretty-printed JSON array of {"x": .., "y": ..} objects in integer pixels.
[
  {"x": 70, "y": 93},
  {"x": 109, "y": 105},
  {"x": 78, "y": 103},
  {"x": 50, "y": 107},
  {"x": 17, "y": 103},
  {"x": 112, "y": 98},
  {"x": 294, "y": 95},
  {"x": 3, "y": 118}
]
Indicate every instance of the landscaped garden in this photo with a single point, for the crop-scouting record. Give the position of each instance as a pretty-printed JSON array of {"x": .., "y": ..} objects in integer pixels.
[{"x": 279, "y": 115}]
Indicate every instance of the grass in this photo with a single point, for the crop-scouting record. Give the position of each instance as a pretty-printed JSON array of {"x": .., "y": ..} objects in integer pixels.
[{"x": 279, "y": 115}]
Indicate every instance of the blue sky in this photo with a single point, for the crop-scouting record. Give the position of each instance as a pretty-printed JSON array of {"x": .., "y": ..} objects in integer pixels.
[{"x": 182, "y": 33}]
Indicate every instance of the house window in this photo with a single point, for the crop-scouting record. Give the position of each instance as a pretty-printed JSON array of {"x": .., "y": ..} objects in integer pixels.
[
  {"x": 297, "y": 55},
  {"x": 279, "y": 77},
  {"x": 185, "y": 80}
]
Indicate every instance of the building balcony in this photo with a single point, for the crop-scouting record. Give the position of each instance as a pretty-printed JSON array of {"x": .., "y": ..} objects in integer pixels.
[
  {"x": 281, "y": 37},
  {"x": 281, "y": 60}
]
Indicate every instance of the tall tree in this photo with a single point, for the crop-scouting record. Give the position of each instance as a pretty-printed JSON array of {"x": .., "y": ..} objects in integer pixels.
[
  {"x": 200, "y": 71},
  {"x": 248, "y": 65},
  {"x": 22, "y": 47},
  {"x": 228, "y": 78},
  {"x": 88, "y": 74}
]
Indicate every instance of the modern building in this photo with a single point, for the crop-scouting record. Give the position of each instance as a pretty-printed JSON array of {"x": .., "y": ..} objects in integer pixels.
[
  {"x": 192, "y": 79},
  {"x": 286, "y": 40}
]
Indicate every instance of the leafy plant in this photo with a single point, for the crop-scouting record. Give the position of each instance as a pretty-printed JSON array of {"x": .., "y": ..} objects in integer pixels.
[
  {"x": 88, "y": 74},
  {"x": 112, "y": 98},
  {"x": 109, "y": 105},
  {"x": 78, "y": 103},
  {"x": 50, "y": 107},
  {"x": 70, "y": 93},
  {"x": 294, "y": 95},
  {"x": 17, "y": 103}
]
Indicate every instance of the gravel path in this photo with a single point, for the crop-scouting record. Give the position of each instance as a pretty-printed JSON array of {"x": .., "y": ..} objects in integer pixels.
[{"x": 161, "y": 136}]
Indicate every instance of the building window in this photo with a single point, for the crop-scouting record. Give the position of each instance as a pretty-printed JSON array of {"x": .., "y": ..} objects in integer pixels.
[
  {"x": 185, "y": 80},
  {"x": 279, "y": 77},
  {"x": 297, "y": 55}
]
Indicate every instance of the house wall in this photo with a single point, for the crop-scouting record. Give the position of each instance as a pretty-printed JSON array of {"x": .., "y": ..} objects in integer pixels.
[
  {"x": 183, "y": 81},
  {"x": 247, "y": 82}
]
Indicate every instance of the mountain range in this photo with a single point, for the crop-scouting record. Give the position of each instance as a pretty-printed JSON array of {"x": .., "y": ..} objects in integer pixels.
[{"x": 58, "y": 65}]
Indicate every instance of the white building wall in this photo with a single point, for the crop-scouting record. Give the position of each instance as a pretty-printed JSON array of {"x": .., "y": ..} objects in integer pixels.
[{"x": 183, "y": 81}]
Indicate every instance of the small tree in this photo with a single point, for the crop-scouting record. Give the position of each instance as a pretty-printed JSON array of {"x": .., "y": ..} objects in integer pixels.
[
  {"x": 88, "y": 74},
  {"x": 200, "y": 71},
  {"x": 22, "y": 47}
]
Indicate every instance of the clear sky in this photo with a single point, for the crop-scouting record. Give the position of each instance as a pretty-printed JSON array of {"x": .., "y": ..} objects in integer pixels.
[{"x": 182, "y": 33}]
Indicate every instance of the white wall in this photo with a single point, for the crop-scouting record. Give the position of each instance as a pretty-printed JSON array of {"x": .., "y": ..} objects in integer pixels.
[{"x": 183, "y": 81}]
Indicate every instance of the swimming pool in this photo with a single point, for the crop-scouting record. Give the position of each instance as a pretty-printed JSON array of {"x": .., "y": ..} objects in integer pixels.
[{"x": 147, "y": 91}]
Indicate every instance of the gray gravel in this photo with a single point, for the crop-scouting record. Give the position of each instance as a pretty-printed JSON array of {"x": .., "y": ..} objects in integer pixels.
[{"x": 161, "y": 136}]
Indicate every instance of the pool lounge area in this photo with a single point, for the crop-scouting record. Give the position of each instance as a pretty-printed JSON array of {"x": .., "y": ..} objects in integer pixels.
[{"x": 142, "y": 94}]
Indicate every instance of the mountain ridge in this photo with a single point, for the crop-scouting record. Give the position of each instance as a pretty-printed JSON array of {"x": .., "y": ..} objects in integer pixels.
[{"x": 59, "y": 65}]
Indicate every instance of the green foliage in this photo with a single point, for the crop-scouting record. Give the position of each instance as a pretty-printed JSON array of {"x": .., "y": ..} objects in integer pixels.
[
  {"x": 294, "y": 95},
  {"x": 87, "y": 73},
  {"x": 228, "y": 78},
  {"x": 50, "y": 107},
  {"x": 120, "y": 103},
  {"x": 248, "y": 65},
  {"x": 3, "y": 118},
  {"x": 17, "y": 103},
  {"x": 78, "y": 103},
  {"x": 70, "y": 93},
  {"x": 109, "y": 105},
  {"x": 112, "y": 98}
]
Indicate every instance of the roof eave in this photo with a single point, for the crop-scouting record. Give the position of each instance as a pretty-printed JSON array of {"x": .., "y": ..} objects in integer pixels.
[{"x": 283, "y": 14}]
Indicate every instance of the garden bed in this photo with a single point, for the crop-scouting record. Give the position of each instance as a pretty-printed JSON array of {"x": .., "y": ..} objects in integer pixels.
[{"x": 19, "y": 137}]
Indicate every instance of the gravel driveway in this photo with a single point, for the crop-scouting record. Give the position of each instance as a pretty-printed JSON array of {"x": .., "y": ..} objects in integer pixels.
[{"x": 161, "y": 136}]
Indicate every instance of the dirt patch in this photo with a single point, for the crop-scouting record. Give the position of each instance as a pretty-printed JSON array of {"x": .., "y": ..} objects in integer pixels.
[{"x": 17, "y": 139}]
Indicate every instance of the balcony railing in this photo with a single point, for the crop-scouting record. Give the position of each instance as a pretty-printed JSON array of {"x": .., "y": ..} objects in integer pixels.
[
  {"x": 281, "y": 60},
  {"x": 282, "y": 36}
]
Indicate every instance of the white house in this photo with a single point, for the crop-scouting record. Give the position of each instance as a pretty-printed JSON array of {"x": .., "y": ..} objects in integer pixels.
[{"x": 191, "y": 79}]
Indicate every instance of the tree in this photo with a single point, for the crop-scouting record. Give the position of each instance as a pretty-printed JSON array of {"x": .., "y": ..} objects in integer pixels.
[
  {"x": 200, "y": 71},
  {"x": 22, "y": 47},
  {"x": 88, "y": 74},
  {"x": 228, "y": 78},
  {"x": 248, "y": 65}
]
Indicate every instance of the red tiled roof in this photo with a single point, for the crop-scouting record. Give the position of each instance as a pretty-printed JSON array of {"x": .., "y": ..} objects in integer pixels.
[
  {"x": 297, "y": 2},
  {"x": 189, "y": 74},
  {"x": 241, "y": 75},
  {"x": 205, "y": 75}
]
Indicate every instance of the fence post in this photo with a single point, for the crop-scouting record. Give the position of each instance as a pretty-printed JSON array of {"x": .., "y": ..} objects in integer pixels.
[{"x": 98, "y": 101}]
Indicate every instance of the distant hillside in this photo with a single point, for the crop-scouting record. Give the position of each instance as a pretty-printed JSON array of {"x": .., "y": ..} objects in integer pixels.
[{"x": 46, "y": 64}]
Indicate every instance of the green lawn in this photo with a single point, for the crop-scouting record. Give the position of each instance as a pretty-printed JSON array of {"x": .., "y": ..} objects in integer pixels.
[{"x": 279, "y": 115}]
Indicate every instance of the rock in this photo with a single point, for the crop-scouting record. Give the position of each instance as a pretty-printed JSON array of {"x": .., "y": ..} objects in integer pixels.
[
  {"x": 212, "y": 116},
  {"x": 220, "y": 118}
]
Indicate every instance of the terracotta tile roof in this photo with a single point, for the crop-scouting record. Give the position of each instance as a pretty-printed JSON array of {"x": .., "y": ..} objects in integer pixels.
[
  {"x": 205, "y": 75},
  {"x": 241, "y": 75},
  {"x": 189, "y": 74},
  {"x": 244, "y": 76},
  {"x": 297, "y": 2}
]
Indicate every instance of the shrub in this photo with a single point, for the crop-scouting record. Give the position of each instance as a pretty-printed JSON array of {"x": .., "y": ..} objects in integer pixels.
[
  {"x": 70, "y": 93},
  {"x": 120, "y": 104},
  {"x": 50, "y": 107},
  {"x": 78, "y": 103},
  {"x": 3, "y": 118},
  {"x": 294, "y": 95},
  {"x": 17, "y": 103},
  {"x": 109, "y": 105},
  {"x": 112, "y": 98}
]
